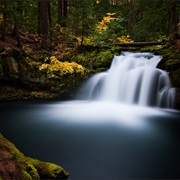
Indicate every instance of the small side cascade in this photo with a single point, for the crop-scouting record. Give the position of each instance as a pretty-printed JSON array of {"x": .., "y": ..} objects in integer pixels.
[
  {"x": 133, "y": 78},
  {"x": 166, "y": 97}
]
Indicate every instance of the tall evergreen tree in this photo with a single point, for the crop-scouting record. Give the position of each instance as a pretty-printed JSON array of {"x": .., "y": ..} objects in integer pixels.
[
  {"x": 62, "y": 12},
  {"x": 156, "y": 18},
  {"x": 131, "y": 16},
  {"x": 17, "y": 16},
  {"x": 81, "y": 18},
  {"x": 3, "y": 8},
  {"x": 43, "y": 21}
]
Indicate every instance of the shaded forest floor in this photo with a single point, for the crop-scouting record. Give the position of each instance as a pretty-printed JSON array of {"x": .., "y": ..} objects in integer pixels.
[{"x": 32, "y": 44}]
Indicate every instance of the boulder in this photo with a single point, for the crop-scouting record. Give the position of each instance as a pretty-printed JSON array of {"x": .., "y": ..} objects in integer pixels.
[{"x": 15, "y": 165}]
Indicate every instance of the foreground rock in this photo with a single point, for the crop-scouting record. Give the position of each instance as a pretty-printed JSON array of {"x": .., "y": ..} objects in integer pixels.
[{"x": 14, "y": 165}]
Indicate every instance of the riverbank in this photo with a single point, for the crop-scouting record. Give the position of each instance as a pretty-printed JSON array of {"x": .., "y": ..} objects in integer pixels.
[{"x": 29, "y": 74}]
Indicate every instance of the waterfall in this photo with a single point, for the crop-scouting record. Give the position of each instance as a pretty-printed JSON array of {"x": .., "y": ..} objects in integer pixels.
[{"x": 133, "y": 78}]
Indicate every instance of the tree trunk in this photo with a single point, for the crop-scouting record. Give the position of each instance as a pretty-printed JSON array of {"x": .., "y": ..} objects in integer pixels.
[
  {"x": 60, "y": 11},
  {"x": 82, "y": 35},
  {"x": 43, "y": 22},
  {"x": 178, "y": 28},
  {"x": 4, "y": 22},
  {"x": 65, "y": 8},
  {"x": 16, "y": 34},
  {"x": 174, "y": 22},
  {"x": 50, "y": 20},
  {"x": 132, "y": 17},
  {"x": 65, "y": 13}
]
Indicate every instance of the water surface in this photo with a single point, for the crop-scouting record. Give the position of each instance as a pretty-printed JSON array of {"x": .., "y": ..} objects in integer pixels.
[{"x": 96, "y": 140}]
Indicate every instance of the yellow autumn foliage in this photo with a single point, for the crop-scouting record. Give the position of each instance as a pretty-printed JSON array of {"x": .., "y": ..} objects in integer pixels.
[
  {"x": 125, "y": 39},
  {"x": 61, "y": 67},
  {"x": 102, "y": 26},
  {"x": 1, "y": 17}
]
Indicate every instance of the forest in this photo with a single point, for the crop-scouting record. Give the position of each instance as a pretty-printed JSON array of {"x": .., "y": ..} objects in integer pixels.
[
  {"x": 77, "y": 38},
  {"x": 90, "y": 22},
  {"x": 126, "y": 126}
]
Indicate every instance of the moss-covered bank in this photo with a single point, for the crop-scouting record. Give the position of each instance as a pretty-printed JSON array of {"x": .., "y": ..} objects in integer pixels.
[
  {"x": 170, "y": 61},
  {"x": 14, "y": 165},
  {"x": 28, "y": 75},
  {"x": 24, "y": 75}
]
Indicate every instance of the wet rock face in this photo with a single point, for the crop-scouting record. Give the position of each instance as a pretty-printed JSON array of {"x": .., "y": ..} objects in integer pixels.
[
  {"x": 9, "y": 69},
  {"x": 14, "y": 165},
  {"x": 13, "y": 68}
]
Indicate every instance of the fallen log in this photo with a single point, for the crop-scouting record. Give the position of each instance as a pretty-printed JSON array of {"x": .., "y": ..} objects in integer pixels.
[{"x": 137, "y": 44}]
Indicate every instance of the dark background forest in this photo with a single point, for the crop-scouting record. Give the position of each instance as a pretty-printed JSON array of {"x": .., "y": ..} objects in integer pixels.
[{"x": 90, "y": 21}]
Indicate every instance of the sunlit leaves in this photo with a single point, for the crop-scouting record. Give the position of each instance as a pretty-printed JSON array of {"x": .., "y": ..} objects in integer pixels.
[
  {"x": 125, "y": 39},
  {"x": 102, "y": 26},
  {"x": 110, "y": 28},
  {"x": 61, "y": 67},
  {"x": 1, "y": 17}
]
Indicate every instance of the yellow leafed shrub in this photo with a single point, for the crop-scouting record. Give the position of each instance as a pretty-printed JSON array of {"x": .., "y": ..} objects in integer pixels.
[
  {"x": 125, "y": 39},
  {"x": 62, "y": 67},
  {"x": 1, "y": 17},
  {"x": 102, "y": 26}
]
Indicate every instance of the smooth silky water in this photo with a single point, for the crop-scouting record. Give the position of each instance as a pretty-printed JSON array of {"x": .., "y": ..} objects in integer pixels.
[{"x": 122, "y": 126}]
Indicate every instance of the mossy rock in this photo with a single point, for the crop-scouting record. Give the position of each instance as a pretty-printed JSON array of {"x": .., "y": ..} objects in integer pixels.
[
  {"x": 170, "y": 62},
  {"x": 30, "y": 74},
  {"x": 14, "y": 165},
  {"x": 175, "y": 77},
  {"x": 48, "y": 170}
]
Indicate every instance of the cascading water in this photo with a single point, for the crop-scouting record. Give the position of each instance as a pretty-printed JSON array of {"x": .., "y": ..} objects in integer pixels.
[{"x": 133, "y": 79}]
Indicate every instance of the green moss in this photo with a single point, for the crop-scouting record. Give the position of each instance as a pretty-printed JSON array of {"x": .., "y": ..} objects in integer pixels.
[
  {"x": 103, "y": 59},
  {"x": 28, "y": 65},
  {"x": 26, "y": 176},
  {"x": 172, "y": 61},
  {"x": 48, "y": 170},
  {"x": 152, "y": 48},
  {"x": 26, "y": 168},
  {"x": 80, "y": 58},
  {"x": 13, "y": 151},
  {"x": 30, "y": 170}
]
